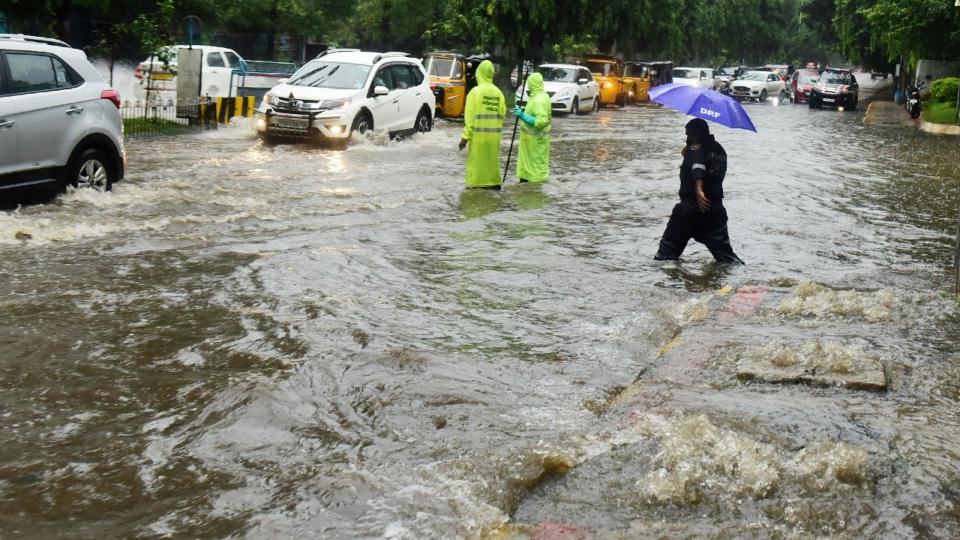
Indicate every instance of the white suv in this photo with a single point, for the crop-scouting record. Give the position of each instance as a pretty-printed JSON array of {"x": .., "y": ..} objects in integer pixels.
[
  {"x": 344, "y": 91},
  {"x": 59, "y": 121}
]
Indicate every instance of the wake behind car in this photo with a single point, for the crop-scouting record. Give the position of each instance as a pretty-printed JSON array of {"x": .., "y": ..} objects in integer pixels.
[
  {"x": 571, "y": 88},
  {"x": 758, "y": 85},
  {"x": 346, "y": 91},
  {"x": 59, "y": 120},
  {"x": 835, "y": 88}
]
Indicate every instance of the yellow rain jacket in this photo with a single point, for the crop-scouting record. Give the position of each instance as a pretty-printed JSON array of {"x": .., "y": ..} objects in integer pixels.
[
  {"x": 533, "y": 160},
  {"x": 483, "y": 124}
]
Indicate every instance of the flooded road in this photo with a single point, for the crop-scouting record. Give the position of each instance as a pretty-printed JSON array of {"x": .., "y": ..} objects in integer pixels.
[{"x": 289, "y": 342}]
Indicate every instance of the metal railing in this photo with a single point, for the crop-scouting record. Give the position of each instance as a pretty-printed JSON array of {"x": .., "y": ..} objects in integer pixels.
[{"x": 157, "y": 118}]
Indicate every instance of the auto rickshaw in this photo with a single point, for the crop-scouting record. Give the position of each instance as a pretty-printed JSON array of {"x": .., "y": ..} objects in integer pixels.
[
  {"x": 608, "y": 73},
  {"x": 452, "y": 76},
  {"x": 636, "y": 78}
]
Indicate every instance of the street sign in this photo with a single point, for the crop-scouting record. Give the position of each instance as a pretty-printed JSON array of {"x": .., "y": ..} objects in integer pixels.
[{"x": 192, "y": 26}]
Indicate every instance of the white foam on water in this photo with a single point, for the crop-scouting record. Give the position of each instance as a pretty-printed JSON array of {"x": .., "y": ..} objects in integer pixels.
[
  {"x": 815, "y": 355},
  {"x": 814, "y": 300}
]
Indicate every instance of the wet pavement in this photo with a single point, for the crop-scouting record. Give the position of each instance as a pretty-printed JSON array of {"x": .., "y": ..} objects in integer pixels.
[{"x": 254, "y": 341}]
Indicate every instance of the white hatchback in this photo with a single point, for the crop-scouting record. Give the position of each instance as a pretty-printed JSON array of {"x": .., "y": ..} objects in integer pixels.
[
  {"x": 343, "y": 91},
  {"x": 571, "y": 88},
  {"x": 758, "y": 85},
  {"x": 59, "y": 120}
]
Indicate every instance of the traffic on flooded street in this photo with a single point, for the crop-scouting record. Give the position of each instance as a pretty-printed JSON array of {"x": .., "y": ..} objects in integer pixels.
[{"x": 250, "y": 339}]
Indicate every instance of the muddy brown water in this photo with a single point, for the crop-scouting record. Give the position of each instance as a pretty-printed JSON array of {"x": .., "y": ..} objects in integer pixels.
[{"x": 278, "y": 342}]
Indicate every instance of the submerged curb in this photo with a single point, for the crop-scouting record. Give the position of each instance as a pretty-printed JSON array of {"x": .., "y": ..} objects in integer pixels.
[{"x": 939, "y": 129}]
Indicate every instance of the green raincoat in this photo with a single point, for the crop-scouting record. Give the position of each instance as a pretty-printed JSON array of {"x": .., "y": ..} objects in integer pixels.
[
  {"x": 533, "y": 160},
  {"x": 483, "y": 125}
]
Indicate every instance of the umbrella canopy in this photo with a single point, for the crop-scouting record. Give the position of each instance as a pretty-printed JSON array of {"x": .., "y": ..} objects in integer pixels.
[{"x": 702, "y": 103}]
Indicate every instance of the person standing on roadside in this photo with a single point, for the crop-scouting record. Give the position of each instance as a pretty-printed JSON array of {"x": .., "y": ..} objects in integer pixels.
[
  {"x": 700, "y": 214},
  {"x": 533, "y": 156},
  {"x": 482, "y": 129}
]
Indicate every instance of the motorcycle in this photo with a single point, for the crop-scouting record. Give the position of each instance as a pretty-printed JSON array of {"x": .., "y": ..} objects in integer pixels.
[{"x": 913, "y": 99}]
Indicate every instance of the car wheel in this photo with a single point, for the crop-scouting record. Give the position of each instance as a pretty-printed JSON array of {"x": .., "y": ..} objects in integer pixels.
[
  {"x": 596, "y": 103},
  {"x": 423, "y": 123},
  {"x": 763, "y": 95},
  {"x": 91, "y": 170},
  {"x": 361, "y": 124},
  {"x": 575, "y": 107}
]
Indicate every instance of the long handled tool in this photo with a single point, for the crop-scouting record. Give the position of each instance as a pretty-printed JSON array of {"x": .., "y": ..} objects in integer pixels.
[{"x": 523, "y": 89}]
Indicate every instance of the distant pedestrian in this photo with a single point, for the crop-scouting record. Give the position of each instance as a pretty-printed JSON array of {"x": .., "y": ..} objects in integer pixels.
[
  {"x": 700, "y": 215},
  {"x": 483, "y": 126},
  {"x": 533, "y": 157}
]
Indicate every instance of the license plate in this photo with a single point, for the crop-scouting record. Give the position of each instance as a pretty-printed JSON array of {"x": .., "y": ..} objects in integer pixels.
[
  {"x": 290, "y": 123},
  {"x": 829, "y": 99}
]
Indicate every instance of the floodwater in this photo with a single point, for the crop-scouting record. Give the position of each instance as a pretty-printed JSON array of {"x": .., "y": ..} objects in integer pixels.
[{"x": 294, "y": 342}]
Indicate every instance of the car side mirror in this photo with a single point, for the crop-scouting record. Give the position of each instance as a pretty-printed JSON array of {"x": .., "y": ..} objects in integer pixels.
[
  {"x": 381, "y": 91},
  {"x": 583, "y": 81},
  {"x": 283, "y": 81}
]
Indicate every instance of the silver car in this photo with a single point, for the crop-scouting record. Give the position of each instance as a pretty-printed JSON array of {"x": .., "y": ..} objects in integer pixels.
[{"x": 59, "y": 120}]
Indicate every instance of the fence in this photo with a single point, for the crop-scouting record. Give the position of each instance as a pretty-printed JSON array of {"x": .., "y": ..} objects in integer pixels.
[{"x": 155, "y": 118}]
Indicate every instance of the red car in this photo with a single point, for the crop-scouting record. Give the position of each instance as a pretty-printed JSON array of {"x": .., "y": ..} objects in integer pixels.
[{"x": 800, "y": 84}]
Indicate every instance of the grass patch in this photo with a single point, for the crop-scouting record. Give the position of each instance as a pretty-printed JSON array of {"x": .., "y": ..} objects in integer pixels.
[
  {"x": 940, "y": 113},
  {"x": 153, "y": 126}
]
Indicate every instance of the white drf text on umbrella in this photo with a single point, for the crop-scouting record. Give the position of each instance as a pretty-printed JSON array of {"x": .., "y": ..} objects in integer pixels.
[{"x": 708, "y": 112}]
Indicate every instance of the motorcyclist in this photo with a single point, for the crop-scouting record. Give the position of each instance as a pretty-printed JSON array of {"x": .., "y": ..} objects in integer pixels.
[
  {"x": 483, "y": 125},
  {"x": 533, "y": 158}
]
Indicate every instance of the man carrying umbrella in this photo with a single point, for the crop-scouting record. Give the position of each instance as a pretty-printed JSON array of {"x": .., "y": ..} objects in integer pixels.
[{"x": 700, "y": 214}]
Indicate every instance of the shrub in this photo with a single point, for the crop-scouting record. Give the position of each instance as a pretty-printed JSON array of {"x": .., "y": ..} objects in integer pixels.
[{"x": 944, "y": 90}]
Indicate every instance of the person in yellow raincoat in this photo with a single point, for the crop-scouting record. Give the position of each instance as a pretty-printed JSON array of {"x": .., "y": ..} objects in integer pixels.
[
  {"x": 533, "y": 159},
  {"x": 483, "y": 125}
]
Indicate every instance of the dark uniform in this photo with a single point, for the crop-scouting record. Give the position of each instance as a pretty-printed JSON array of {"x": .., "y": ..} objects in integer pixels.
[{"x": 705, "y": 159}]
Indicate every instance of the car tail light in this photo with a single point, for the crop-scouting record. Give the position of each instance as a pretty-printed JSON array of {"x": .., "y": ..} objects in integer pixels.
[
  {"x": 112, "y": 95},
  {"x": 138, "y": 73}
]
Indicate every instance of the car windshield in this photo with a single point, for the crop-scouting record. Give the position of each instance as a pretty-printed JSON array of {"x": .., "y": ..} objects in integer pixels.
[
  {"x": 555, "y": 74},
  {"x": 440, "y": 67},
  {"x": 681, "y": 73},
  {"x": 756, "y": 76},
  {"x": 835, "y": 79},
  {"x": 324, "y": 74},
  {"x": 601, "y": 68},
  {"x": 728, "y": 71},
  {"x": 633, "y": 70},
  {"x": 807, "y": 79}
]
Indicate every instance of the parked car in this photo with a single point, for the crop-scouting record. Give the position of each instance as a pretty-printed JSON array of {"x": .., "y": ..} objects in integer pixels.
[
  {"x": 835, "y": 88},
  {"x": 346, "y": 91},
  {"x": 695, "y": 76},
  {"x": 801, "y": 83},
  {"x": 608, "y": 73},
  {"x": 758, "y": 85},
  {"x": 59, "y": 120},
  {"x": 571, "y": 88}
]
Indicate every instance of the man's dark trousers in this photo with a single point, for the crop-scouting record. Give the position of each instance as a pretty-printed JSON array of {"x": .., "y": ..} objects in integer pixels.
[{"x": 710, "y": 229}]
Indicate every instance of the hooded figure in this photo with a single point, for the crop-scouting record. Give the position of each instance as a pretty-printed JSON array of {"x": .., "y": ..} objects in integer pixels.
[
  {"x": 533, "y": 160},
  {"x": 483, "y": 125}
]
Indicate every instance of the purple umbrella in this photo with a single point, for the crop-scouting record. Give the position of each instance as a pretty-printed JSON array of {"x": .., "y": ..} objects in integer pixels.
[{"x": 702, "y": 103}]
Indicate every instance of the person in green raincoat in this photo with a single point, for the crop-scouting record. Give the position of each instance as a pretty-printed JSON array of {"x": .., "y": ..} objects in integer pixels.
[
  {"x": 533, "y": 159},
  {"x": 482, "y": 127}
]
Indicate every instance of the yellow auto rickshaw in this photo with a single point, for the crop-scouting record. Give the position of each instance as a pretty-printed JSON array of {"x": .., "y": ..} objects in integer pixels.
[
  {"x": 452, "y": 75},
  {"x": 636, "y": 79},
  {"x": 608, "y": 73}
]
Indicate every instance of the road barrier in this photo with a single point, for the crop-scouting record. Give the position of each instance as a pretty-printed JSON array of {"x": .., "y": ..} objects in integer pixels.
[
  {"x": 142, "y": 119},
  {"x": 227, "y": 108}
]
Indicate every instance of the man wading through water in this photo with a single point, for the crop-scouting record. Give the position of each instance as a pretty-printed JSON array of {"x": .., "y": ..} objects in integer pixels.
[
  {"x": 700, "y": 214},
  {"x": 482, "y": 127}
]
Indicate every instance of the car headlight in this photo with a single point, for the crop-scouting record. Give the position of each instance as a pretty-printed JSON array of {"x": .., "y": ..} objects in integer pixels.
[
  {"x": 607, "y": 85},
  {"x": 269, "y": 99},
  {"x": 334, "y": 103}
]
